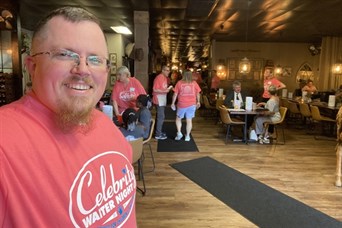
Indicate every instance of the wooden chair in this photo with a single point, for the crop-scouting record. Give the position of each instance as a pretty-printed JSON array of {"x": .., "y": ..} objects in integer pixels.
[
  {"x": 137, "y": 147},
  {"x": 279, "y": 123},
  {"x": 306, "y": 113},
  {"x": 148, "y": 142},
  {"x": 318, "y": 118},
  {"x": 210, "y": 109},
  {"x": 229, "y": 122},
  {"x": 294, "y": 111}
]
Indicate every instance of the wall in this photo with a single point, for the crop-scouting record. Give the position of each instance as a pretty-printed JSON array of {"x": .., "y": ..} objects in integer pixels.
[{"x": 291, "y": 55}]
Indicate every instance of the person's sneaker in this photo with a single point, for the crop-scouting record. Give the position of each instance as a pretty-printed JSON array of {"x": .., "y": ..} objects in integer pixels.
[
  {"x": 179, "y": 136},
  {"x": 187, "y": 138},
  {"x": 261, "y": 139},
  {"x": 266, "y": 140},
  {"x": 163, "y": 134},
  {"x": 160, "y": 137}
]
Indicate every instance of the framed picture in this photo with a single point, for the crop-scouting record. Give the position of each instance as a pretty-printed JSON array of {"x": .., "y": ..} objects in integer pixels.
[
  {"x": 287, "y": 72},
  {"x": 112, "y": 79},
  {"x": 112, "y": 58},
  {"x": 113, "y": 69}
]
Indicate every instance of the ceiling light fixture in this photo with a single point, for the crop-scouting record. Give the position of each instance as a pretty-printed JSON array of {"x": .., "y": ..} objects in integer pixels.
[
  {"x": 121, "y": 30},
  {"x": 245, "y": 64}
]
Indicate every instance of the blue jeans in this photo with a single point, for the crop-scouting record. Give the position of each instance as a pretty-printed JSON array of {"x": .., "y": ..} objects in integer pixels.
[{"x": 160, "y": 119}]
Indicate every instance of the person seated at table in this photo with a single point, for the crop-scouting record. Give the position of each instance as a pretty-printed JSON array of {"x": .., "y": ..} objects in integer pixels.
[
  {"x": 272, "y": 114},
  {"x": 235, "y": 96},
  {"x": 125, "y": 91},
  {"x": 144, "y": 113},
  {"x": 131, "y": 128},
  {"x": 309, "y": 87}
]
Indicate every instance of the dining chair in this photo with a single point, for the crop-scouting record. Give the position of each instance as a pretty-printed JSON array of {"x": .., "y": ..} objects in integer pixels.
[
  {"x": 148, "y": 142},
  {"x": 283, "y": 111},
  {"x": 294, "y": 111},
  {"x": 229, "y": 122},
  {"x": 320, "y": 119},
  {"x": 306, "y": 113},
  {"x": 211, "y": 110},
  {"x": 137, "y": 148}
]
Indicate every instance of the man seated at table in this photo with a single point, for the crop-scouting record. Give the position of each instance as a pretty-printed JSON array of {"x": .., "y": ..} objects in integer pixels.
[
  {"x": 309, "y": 87},
  {"x": 235, "y": 96}
]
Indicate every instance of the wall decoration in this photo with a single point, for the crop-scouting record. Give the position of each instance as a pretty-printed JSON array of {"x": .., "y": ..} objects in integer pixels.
[
  {"x": 112, "y": 79},
  {"x": 287, "y": 72},
  {"x": 112, "y": 58},
  {"x": 112, "y": 61},
  {"x": 113, "y": 69}
]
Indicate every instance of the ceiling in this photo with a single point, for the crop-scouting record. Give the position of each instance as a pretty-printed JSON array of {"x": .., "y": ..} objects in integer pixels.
[{"x": 183, "y": 29}]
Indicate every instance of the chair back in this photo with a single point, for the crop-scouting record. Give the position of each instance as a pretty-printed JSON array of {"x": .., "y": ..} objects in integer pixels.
[
  {"x": 284, "y": 102},
  {"x": 224, "y": 114},
  {"x": 151, "y": 131},
  {"x": 282, "y": 111},
  {"x": 304, "y": 110},
  {"x": 292, "y": 106},
  {"x": 137, "y": 148},
  {"x": 316, "y": 115},
  {"x": 206, "y": 102},
  {"x": 219, "y": 102}
]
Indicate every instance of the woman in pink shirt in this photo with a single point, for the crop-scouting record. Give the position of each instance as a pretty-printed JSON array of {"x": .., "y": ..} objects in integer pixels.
[
  {"x": 269, "y": 80},
  {"x": 188, "y": 93},
  {"x": 125, "y": 91}
]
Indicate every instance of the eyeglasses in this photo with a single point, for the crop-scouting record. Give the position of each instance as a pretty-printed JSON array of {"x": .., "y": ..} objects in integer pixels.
[{"x": 63, "y": 55}]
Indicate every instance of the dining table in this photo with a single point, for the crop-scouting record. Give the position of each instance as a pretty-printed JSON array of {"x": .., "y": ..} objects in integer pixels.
[{"x": 245, "y": 113}]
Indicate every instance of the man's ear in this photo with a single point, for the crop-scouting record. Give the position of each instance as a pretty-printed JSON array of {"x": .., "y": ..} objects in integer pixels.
[{"x": 30, "y": 65}]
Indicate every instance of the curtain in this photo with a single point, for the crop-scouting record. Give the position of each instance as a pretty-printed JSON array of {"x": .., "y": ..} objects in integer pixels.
[{"x": 331, "y": 53}]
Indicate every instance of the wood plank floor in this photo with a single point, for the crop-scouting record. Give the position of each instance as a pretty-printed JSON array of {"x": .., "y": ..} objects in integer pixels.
[{"x": 304, "y": 169}]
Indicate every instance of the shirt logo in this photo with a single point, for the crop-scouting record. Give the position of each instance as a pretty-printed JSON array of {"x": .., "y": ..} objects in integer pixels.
[{"x": 103, "y": 192}]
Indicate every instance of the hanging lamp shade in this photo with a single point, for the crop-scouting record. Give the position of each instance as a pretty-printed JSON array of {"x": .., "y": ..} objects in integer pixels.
[
  {"x": 278, "y": 70},
  {"x": 244, "y": 66},
  {"x": 337, "y": 68}
]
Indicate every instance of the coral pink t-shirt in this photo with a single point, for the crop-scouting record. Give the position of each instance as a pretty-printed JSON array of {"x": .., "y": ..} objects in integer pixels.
[
  {"x": 53, "y": 179},
  {"x": 160, "y": 83},
  {"x": 215, "y": 81},
  {"x": 126, "y": 95},
  {"x": 267, "y": 83},
  {"x": 186, "y": 93}
]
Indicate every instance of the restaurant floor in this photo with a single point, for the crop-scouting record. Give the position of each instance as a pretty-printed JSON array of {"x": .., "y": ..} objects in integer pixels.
[{"x": 303, "y": 168}]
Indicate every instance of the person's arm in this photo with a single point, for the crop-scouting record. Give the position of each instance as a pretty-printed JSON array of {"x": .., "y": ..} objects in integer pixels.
[
  {"x": 281, "y": 86},
  {"x": 174, "y": 97},
  {"x": 163, "y": 90},
  {"x": 198, "y": 103},
  {"x": 116, "y": 108}
]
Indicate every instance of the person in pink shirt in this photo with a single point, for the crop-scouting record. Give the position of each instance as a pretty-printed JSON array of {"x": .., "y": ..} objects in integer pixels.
[
  {"x": 63, "y": 163},
  {"x": 215, "y": 81},
  {"x": 187, "y": 92},
  {"x": 269, "y": 80},
  {"x": 159, "y": 99},
  {"x": 125, "y": 91}
]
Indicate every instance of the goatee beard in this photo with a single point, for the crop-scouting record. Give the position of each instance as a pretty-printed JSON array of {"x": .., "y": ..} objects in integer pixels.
[{"x": 75, "y": 115}]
